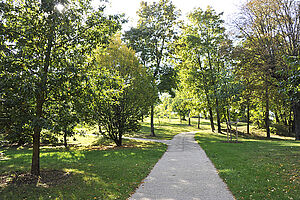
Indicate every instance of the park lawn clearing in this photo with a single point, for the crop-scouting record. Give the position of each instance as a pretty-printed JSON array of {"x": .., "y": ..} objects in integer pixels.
[
  {"x": 166, "y": 129},
  {"x": 81, "y": 173},
  {"x": 256, "y": 168}
]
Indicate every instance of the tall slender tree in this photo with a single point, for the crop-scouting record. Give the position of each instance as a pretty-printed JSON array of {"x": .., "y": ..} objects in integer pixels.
[
  {"x": 198, "y": 49},
  {"x": 155, "y": 30}
]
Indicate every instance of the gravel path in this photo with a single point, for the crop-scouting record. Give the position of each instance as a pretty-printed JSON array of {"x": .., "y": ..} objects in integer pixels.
[{"x": 183, "y": 173}]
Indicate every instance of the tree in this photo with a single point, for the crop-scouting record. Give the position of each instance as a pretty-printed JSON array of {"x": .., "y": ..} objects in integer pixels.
[
  {"x": 121, "y": 94},
  {"x": 271, "y": 32},
  {"x": 40, "y": 45},
  {"x": 198, "y": 49},
  {"x": 180, "y": 104},
  {"x": 151, "y": 39}
]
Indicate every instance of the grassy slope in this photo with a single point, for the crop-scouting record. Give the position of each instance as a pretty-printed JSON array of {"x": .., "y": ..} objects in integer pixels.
[
  {"x": 96, "y": 174},
  {"x": 255, "y": 169}
]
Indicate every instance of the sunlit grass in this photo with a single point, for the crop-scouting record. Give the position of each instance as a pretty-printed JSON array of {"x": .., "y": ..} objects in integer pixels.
[
  {"x": 95, "y": 174},
  {"x": 166, "y": 129},
  {"x": 255, "y": 169}
]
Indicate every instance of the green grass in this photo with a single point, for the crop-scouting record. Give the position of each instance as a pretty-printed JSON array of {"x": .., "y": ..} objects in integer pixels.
[
  {"x": 95, "y": 174},
  {"x": 255, "y": 169},
  {"x": 165, "y": 129}
]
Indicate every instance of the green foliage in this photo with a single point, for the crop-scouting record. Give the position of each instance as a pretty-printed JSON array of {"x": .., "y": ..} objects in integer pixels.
[
  {"x": 204, "y": 55},
  {"x": 182, "y": 103},
  {"x": 44, "y": 51},
  {"x": 120, "y": 90},
  {"x": 270, "y": 79},
  {"x": 151, "y": 39}
]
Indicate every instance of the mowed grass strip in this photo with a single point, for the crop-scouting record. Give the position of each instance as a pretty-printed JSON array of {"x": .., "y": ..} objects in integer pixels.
[
  {"x": 93, "y": 174},
  {"x": 255, "y": 169}
]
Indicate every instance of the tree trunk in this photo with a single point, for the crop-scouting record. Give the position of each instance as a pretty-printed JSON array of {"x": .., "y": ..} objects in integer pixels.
[
  {"x": 65, "y": 140},
  {"x": 211, "y": 118},
  {"x": 210, "y": 113},
  {"x": 199, "y": 121},
  {"x": 267, "y": 120},
  {"x": 152, "y": 121},
  {"x": 35, "y": 164},
  {"x": 229, "y": 121},
  {"x": 40, "y": 99},
  {"x": 283, "y": 118},
  {"x": 276, "y": 117},
  {"x": 189, "y": 119},
  {"x": 290, "y": 123},
  {"x": 248, "y": 116},
  {"x": 218, "y": 116},
  {"x": 120, "y": 139},
  {"x": 297, "y": 120},
  {"x": 100, "y": 130}
]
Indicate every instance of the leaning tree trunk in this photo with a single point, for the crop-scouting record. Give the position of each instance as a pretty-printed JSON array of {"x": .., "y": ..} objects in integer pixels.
[
  {"x": 297, "y": 120},
  {"x": 211, "y": 118},
  {"x": 152, "y": 121}
]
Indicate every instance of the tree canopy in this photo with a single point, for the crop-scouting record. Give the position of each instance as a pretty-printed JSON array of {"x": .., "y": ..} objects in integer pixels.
[{"x": 63, "y": 64}]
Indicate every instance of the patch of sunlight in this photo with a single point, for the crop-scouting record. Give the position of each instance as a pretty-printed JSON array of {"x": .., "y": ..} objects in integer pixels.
[
  {"x": 93, "y": 180},
  {"x": 112, "y": 196},
  {"x": 72, "y": 154},
  {"x": 72, "y": 170},
  {"x": 225, "y": 171},
  {"x": 291, "y": 144},
  {"x": 21, "y": 155},
  {"x": 3, "y": 157}
]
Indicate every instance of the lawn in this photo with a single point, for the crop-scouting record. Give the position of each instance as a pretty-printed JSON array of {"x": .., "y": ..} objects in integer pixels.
[
  {"x": 256, "y": 168},
  {"x": 80, "y": 173},
  {"x": 253, "y": 169},
  {"x": 165, "y": 129}
]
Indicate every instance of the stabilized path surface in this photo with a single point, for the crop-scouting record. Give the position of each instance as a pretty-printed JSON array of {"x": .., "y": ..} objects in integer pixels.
[{"x": 183, "y": 173}]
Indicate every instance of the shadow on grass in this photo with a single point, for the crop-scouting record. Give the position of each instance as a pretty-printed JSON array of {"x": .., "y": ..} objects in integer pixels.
[{"x": 94, "y": 174}]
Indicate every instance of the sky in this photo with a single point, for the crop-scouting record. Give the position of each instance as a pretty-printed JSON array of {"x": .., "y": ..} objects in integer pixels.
[{"x": 130, "y": 7}]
